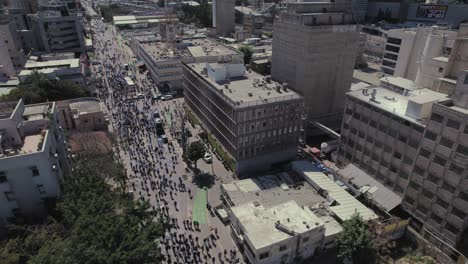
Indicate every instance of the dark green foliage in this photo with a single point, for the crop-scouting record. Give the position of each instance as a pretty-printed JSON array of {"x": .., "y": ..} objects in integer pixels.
[
  {"x": 355, "y": 241},
  {"x": 195, "y": 151},
  {"x": 37, "y": 89},
  {"x": 91, "y": 224},
  {"x": 248, "y": 51},
  {"x": 200, "y": 15},
  {"x": 109, "y": 11}
]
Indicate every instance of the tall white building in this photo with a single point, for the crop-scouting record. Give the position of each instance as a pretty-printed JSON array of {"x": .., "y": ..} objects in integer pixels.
[
  {"x": 431, "y": 56},
  {"x": 32, "y": 158}
]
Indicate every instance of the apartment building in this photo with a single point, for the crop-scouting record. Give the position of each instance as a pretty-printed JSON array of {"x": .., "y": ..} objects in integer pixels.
[
  {"x": 82, "y": 114},
  {"x": 257, "y": 121},
  {"x": 314, "y": 52},
  {"x": 165, "y": 63},
  {"x": 415, "y": 142},
  {"x": 431, "y": 56},
  {"x": 11, "y": 51},
  {"x": 32, "y": 158}
]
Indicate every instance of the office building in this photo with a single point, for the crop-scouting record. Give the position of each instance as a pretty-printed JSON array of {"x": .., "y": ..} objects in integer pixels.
[
  {"x": 415, "y": 142},
  {"x": 58, "y": 27},
  {"x": 11, "y": 51},
  {"x": 82, "y": 114},
  {"x": 32, "y": 158},
  {"x": 54, "y": 69},
  {"x": 314, "y": 52},
  {"x": 430, "y": 56},
  {"x": 223, "y": 17},
  {"x": 257, "y": 121},
  {"x": 165, "y": 62}
]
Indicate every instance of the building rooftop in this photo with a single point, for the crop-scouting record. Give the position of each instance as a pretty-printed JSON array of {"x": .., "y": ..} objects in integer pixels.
[
  {"x": 380, "y": 194},
  {"x": 129, "y": 20},
  {"x": 270, "y": 190},
  {"x": 341, "y": 203},
  {"x": 85, "y": 105},
  {"x": 397, "y": 103},
  {"x": 6, "y": 109},
  {"x": 67, "y": 63},
  {"x": 399, "y": 82},
  {"x": 36, "y": 111},
  {"x": 247, "y": 90},
  {"x": 259, "y": 222}
]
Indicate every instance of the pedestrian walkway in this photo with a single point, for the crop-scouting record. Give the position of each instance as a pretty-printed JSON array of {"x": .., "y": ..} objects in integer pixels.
[{"x": 199, "y": 206}]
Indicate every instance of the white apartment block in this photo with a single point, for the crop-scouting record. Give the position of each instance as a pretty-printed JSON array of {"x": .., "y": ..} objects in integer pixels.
[
  {"x": 415, "y": 142},
  {"x": 32, "y": 159},
  {"x": 11, "y": 50},
  {"x": 431, "y": 56}
]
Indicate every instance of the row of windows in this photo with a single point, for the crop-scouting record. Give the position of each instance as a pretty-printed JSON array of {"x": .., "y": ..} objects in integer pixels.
[
  {"x": 450, "y": 122},
  {"x": 461, "y": 149}
]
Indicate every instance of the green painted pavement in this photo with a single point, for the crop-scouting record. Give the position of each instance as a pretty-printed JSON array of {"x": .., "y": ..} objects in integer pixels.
[{"x": 199, "y": 206}]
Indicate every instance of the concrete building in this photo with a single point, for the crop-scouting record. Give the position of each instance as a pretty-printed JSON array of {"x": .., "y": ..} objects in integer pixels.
[
  {"x": 415, "y": 142},
  {"x": 431, "y": 56},
  {"x": 62, "y": 69},
  {"x": 257, "y": 121},
  {"x": 11, "y": 51},
  {"x": 223, "y": 17},
  {"x": 81, "y": 114},
  {"x": 32, "y": 158},
  {"x": 314, "y": 52},
  {"x": 136, "y": 22},
  {"x": 278, "y": 218},
  {"x": 58, "y": 28},
  {"x": 165, "y": 63}
]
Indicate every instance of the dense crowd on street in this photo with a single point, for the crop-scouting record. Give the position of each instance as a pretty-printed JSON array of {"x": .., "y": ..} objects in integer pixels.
[{"x": 154, "y": 168}]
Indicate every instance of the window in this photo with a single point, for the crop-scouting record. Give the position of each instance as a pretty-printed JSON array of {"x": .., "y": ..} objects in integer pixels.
[
  {"x": 283, "y": 248},
  {"x": 264, "y": 255},
  {"x": 388, "y": 71},
  {"x": 456, "y": 169},
  {"x": 432, "y": 178},
  {"x": 453, "y": 124},
  {"x": 387, "y": 148},
  {"x": 462, "y": 150},
  {"x": 422, "y": 209},
  {"x": 430, "y": 135},
  {"x": 409, "y": 200},
  {"x": 440, "y": 161},
  {"x": 451, "y": 228},
  {"x": 425, "y": 153},
  {"x": 9, "y": 196},
  {"x": 397, "y": 155},
  {"x": 40, "y": 188},
  {"x": 418, "y": 170},
  {"x": 396, "y": 41},
  {"x": 466, "y": 79},
  {"x": 305, "y": 239},
  {"x": 437, "y": 118},
  {"x": 448, "y": 187},
  {"x": 391, "y": 56},
  {"x": 427, "y": 194},
  {"x": 414, "y": 185},
  {"x": 464, "y": 196},
  {"x": 398, "y": 189},
  {"x": 392, "y": 48},
  {"x": 446, "y": 142},
  {"x": 442, "y": 203},
  {"x": 459, "y": 213},
  {"x": 389, "y": 63},
  {"x": 34, "y": 171},
  {"x": 3, "y": 177},
  {"x": 407, "y": 160},
  {"x": 374, "y": 124},
  {"x": 441, "y": 69},
  {"x": 436, "y": 218}
]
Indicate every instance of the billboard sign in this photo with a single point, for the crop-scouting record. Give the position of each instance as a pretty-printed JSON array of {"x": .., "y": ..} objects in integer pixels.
[{"x": 432, "y": 11}]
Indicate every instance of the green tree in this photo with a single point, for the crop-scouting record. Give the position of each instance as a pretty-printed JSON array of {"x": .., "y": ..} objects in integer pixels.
[
  {"x": 37, "y": 89},
  {"x": 355, "y": 241},
  {"x": 195, "y": 151},
  {"x": 248, "y": 51}
]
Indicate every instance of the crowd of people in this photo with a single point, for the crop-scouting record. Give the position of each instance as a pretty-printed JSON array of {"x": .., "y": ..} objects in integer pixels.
[{"x": 154, "y": 168}]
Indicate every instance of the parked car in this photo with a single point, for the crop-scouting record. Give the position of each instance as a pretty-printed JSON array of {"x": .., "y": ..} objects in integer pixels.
[
  {"x": 164, "y": 139},
  {"x": 207, "y": 158},
  {"x": 158, "y": 121},
  {"x": 167, "y": 97}
]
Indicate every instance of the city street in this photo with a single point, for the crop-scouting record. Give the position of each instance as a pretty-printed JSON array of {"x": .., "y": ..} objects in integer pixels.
[{"x": 156, "y": 171}]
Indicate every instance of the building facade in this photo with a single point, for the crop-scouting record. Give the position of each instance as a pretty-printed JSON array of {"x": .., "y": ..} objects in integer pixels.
[
  {"x": 11, "y": 51},
  {"x": 415, "y": 143},
  {"x": 81, "y": 114},
  {"x": 314, "y": 52},
  {"x": 60, "y": 69},
  {"x": 257, "y": 121},
  {"x": 32, "y": 159},
  {"x": 223, "y": 17}
]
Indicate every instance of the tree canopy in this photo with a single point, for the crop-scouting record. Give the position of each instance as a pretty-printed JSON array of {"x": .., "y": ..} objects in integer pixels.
[
  {"x": 37, "y": 89},
  {"x": 200, "y": 15},
  {"x": 355, "y": 241},
  {"x": 90, "y": 224},
  {"x": 248, "y": 51},
  {"x": 195, "y": 151}
]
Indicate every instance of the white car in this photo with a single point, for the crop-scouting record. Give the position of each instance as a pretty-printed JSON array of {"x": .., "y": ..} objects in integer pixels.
[
  {"x": 167, "y": 97},
  {"x": 158, "y": 121},
  {"x": 207, "y": 158},
  {"x": 139, "y": 96}
]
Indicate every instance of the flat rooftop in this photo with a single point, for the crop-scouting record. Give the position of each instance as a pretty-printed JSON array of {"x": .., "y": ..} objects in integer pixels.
[
  {"x": 396, "y": 103},
  {"x": 249, "y": 90},
  {"x": 158, "y": 51},
  {"x": 399, "y": 82},
  {"x": 84, "y": 107},
  {"x": 67, "y": 63},
  {"x": 271, "y": 190},
  {"x": 259, "y": 222},
  {"x": 7, "y": 108},
  {"x": 36, "y": 111},
  {"x": 130, "y": 19}
]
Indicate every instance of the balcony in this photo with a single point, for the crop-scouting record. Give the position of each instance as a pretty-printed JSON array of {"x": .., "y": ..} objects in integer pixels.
[
  {"x": 445, "y": 195},
  {"x": 427, "y": 143},
  {"x": 444, "y": 151},
  {"x": 430, "y": 186},
  {"x": 422, "y": 162},
  {"x": 436, "y": 169}
]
